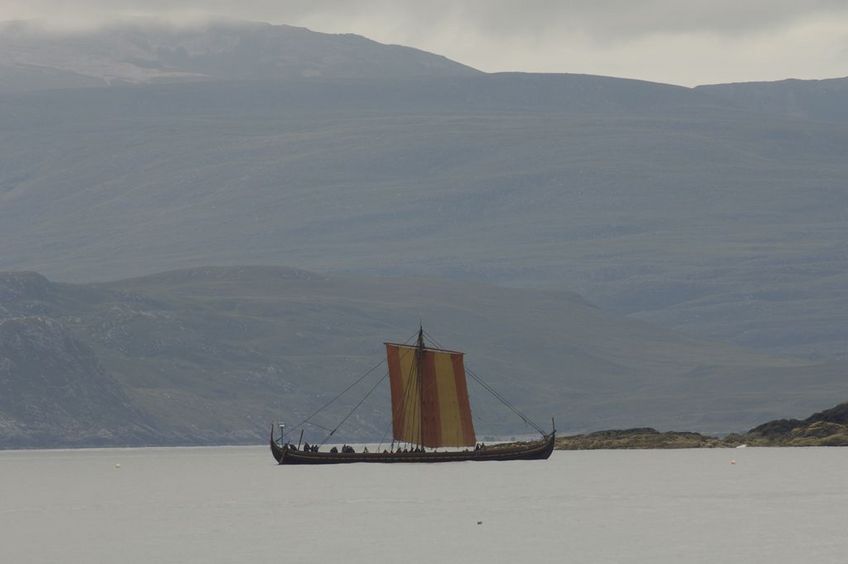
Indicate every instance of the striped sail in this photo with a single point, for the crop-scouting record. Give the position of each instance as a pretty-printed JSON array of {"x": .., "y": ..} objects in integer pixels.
[{"x": 429, "y": 397}]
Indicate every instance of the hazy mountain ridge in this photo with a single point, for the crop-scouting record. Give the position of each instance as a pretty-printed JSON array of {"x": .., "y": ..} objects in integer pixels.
[
  {"x": 648, "y": 199},
  {"x": 142, "y": 52},
  {"x": 212, "y": 355},
  {"x": 813, "y": 99},
  {"x": 147, "y": 51}
]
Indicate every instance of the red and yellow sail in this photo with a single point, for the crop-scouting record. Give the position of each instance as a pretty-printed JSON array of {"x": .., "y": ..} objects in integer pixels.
[{"x": 430, "y": 404}]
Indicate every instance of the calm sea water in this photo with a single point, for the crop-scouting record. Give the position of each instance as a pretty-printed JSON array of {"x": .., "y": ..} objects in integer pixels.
[{"x": 236, "y": 505}]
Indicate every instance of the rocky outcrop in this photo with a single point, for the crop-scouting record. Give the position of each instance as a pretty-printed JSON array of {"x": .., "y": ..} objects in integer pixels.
[
  {"x": 825, "y": 428},
  {"x": 54, "y": 391},
  {"x": 638, "y": 438}
]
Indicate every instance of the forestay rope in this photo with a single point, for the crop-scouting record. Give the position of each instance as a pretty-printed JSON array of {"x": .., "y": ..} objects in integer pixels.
[
  {"x": 336, "y": 428},
  {"x": 329, "y": 403},
  {"x": 405, "y": 398},
  {"x": 494, "y": 392},
  {"x": 340, "y": 394}
]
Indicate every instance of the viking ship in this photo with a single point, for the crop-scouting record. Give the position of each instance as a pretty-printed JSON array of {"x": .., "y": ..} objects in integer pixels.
[{"x": 431, "y": 416}]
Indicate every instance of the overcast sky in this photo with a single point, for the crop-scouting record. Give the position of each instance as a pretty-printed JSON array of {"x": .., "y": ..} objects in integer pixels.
[{"x": 677, "y": 41}]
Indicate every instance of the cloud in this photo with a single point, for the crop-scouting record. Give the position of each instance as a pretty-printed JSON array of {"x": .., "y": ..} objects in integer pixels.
[
  {"x": 679, "y": 41},
  {"x": 611, "y": 19}
]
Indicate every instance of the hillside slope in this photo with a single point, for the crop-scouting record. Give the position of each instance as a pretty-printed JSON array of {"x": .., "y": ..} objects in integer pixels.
[
  {"x": 54, "y": 391},
  {"x": 647, "y": 199},
  {"x": 212, "y": 355},
  {"x": 718, "y": 211}
]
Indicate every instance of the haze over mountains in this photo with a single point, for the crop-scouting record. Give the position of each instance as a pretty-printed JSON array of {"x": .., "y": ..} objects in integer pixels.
[
  {"x": 814, "y": 99},
  {"x": 719, "y": 211},
  {"x": 143, "y": 52},
  {"x": 213, "y": 355}
]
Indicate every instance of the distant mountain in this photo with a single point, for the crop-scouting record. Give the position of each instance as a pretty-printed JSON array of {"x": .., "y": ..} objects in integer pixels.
[
  {"x": 718, "y": 211},
  {"x": 143, "y": 52},
  {"x": 652, "y": 200},
  {"x": 813, "y": 99},
  {"x": 213, "y": 355}
]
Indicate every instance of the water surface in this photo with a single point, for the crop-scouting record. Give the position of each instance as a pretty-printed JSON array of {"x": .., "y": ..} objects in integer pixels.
[{"x": 206, "y": 505}]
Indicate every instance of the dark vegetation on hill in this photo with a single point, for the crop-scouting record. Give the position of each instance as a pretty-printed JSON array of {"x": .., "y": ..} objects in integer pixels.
[
  {"x": 639, "y": 438},
  {"x": 213, "y": 355},
  {"x": 825, "y": 428}
]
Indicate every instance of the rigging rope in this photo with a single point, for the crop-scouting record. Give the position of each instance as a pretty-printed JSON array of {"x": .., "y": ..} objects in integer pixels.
[
  {"x": 494, "y": 392},
  {"x": 406, "y": 397},
  {"x": 343, "y": 392},
  {"x": 504, "y": 401},
  {"x": 374, "y": 387}
]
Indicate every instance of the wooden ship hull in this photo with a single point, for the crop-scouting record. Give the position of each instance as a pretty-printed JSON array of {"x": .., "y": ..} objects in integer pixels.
[
  {"x": 431, "y": 411},
  {"x": 536, "y": 450}
]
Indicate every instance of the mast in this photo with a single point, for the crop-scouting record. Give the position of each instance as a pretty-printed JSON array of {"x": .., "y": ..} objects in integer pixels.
[
  {"x": 419, "y": 373},
  {"x": 430, "y": 406}
]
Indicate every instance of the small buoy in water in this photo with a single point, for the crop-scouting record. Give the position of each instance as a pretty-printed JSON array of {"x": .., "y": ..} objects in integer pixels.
[
  {"x": 117, "y": 465},
  {"x": 733, "y": 461},
  {"x": 479, "y": 522}
]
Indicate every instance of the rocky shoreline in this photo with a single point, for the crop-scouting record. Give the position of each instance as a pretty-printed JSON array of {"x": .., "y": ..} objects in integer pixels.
[{"x": 825, "y": 428}]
